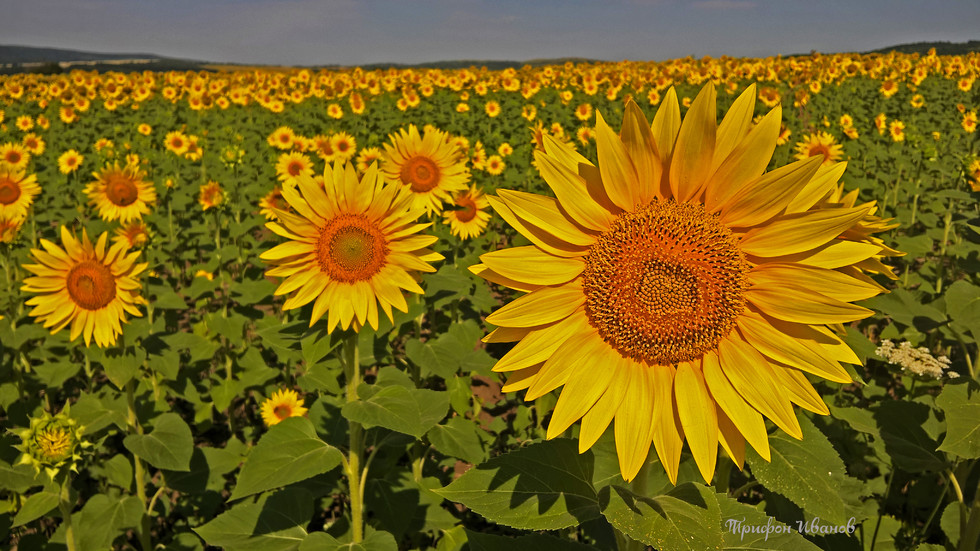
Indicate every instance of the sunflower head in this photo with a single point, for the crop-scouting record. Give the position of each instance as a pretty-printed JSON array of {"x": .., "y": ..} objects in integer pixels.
[
  {"x": 353, "y": 245},
  {"x": 86, "y": 286},
  {"x": 52, "y": 443},
  {"x": 428, "y": 166},
  {"x": 283, "y": 404},
  {"x": 679, "y": 291},
  {"x": 121, "y": 193},
  {"x": 17, "y": 192}
]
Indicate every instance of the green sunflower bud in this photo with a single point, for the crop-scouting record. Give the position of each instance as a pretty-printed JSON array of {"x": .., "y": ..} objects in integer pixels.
[{"x": 52, "y": 443}]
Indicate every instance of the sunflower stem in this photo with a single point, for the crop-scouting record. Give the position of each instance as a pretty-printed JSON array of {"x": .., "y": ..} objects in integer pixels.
[
  {"x": 139, "y": 475},
  {"x": 65, "y": 506},
  {"x": 352, "y": 371}
]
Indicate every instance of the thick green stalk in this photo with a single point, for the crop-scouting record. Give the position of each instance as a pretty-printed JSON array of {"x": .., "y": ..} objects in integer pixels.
[
  {"x": 65, "y": 505},
  {"x": 355, "y": 456},
  {"x": 139, "y": 474}
]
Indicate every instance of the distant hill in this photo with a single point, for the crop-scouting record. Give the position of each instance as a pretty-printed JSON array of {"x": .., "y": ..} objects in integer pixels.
[
  {"x": 17, "y": 59},
  {"x": 942, "y": 48}
]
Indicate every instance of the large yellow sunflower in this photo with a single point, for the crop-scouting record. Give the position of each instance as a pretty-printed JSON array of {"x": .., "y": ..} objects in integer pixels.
[
  {"x": 679, "y": 290},
  {"x": 352, "y": 246},
  {"x": 85, "y": 286},
  {"x": 430, "y": 166},
  {"x": 120, "y": 193},
  {"x": 17, "y": 192}
]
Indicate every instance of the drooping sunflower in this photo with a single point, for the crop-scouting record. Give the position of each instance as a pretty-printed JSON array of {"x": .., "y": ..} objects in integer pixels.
[
  {"x": 17, "y": 192},
  {"x": 429, "y": 166},
  {"x": 283, "y": 404},
  {"x": 470, "y": 217},
  {"x": 677, "y": 290},
  {"x": 353, "y": 245},
  {"x": 820, "y": 144},
  {"x": 120, "y": 193},
  {"x": 84, "y": 286}
]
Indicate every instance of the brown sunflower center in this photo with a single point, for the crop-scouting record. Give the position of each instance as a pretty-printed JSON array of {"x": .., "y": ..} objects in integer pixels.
[
  {"x": 421, "y": 173},
  {"x": 91, "y": 285},
  {"x": 351, "y": 248},
  {"x": 467, "y": 209},
  {"x": 13, "y": 157},
  {"x": 121, "y": 190},
  {"x": 665, "y": 283},
  {"x": 9, "y": 190},
  {"x": 282, "y": 411},
  {"x": 295, "y": 168}
]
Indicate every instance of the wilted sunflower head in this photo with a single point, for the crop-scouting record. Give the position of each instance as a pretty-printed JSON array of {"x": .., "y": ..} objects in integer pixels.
[{"x": 679, "y": 291}]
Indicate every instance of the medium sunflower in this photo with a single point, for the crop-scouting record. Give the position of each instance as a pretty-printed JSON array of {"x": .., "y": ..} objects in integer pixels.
[
  {"x": 120, "y": 193},
  {"x": 352, "y": 246},
  {"x": 291, "y": 165},
  {"x": 283, "y": 404},
  {"x": 69, "y": 161},
  {"x": 17, "y": 192},
  {"x": 429, "y": 166},
  {"x": 470, "y": 217},
  {"x": 14, "y": 154},
  {"x": 819, "y": 144},
  {"x": 677, "y": 289},
  {"x": 84, "y": 286}
]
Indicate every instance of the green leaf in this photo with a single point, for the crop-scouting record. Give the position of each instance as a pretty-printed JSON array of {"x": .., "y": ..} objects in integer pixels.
[
  {"x": 902, "y": 428},
  {"x": 738, "y": 519},
  {"x": 104, "y": 518},
  {"x": 399, "y": 409},
  {"x": 950, "y": 522},
  {"x": 808, "y": 472},
  {"x": 537, "y": 542},
  {"x": 543, "y": 486},
  {"x": 458, "y": 438},
  {"x": 288, "y": 453},
  {"x": 169, "y": 446},
  {"x": 163, "y": 297},
  {"x": 373, "y": 541},
  {"x": 276, "y": 522},
  {"x": 962, "y": 410},
  {"x": 36, "y": 507},
  {"x": 17, "y": 478},
  {"x": 457, "y": 349},
  {"x": 685, "y": 518}
]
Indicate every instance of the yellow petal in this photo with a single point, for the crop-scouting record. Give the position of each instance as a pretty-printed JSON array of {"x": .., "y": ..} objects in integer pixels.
[
  {"x": 748, "y": 421},
  {"x": 800, "y": 353},
  {"x": 735, "y": 126},
  {"x": 731, "y": 439},
  {"x": 795, "y": 233},
  {"x": 615, "y": 167},
  {"x": 589, "y": 379},
  {"x": 532, "y": 265},
  {"x": 638, "y": 139},
  {"x": 796, "y": 304},
  {"x": 539, "y": 307},
  {"x": 798, "y": 389},
  {"x": 747, "y": 162},
  {"x": 830, "y": 283},
  {"x": 690, "y": 163},
  {"x": 594, "y": 422},
  {"x": 836, "y": 254},
  {"x": 543, "y": 213},
  {"x": 666, "y": 124},
  {"x": 696, "y": 411},
  {"x": 666, "y": 433},
  {"x": 823, "y": 183},
  {"x": 540, "y": 344},
  {"x": 632, "y": 426},
  {"x": 750, "y": 374},
  {"x": 573, "y": 193},
  {"x": 544, "y": 239},
  {"x": 520, "y": 380},
  {"x": 765, "y": 198}
]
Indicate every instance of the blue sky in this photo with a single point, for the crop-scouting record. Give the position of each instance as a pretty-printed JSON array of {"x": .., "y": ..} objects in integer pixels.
[{"x": 350, "y": 32}]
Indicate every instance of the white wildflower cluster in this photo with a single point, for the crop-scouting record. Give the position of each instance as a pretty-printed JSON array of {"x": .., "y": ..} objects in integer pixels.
[{"x": 916, "y": 360}]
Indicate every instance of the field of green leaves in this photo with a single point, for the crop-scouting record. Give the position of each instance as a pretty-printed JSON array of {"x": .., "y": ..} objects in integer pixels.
[{"x": 190, "y": 410}]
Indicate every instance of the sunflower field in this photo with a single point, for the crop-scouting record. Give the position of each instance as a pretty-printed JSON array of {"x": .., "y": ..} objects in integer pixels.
[{"x": 687, "y": 305}]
